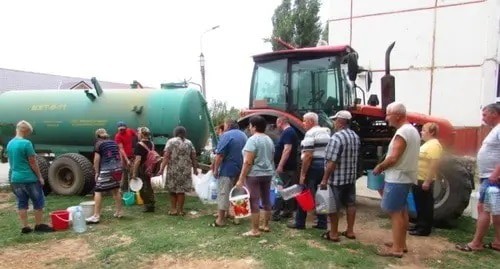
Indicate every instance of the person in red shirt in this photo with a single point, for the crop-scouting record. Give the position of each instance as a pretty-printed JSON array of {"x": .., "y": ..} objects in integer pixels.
[{"x": 125, "y": 138}]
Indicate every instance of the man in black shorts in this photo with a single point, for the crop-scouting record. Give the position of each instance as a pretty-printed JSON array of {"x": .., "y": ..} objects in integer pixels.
[{"x": 341, "y": 161}]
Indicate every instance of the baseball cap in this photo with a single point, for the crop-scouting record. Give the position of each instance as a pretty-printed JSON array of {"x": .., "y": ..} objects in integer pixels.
[
  {"x": 121, "y": 124},
  {"x": 342, "y": 114}
]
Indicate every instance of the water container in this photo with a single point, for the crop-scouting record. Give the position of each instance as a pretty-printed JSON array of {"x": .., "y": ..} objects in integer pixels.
[
  {"x": 374, "y": 182},
  {"x": 325, "y": 201},
  {"x": 79, "y": 225},
  {"x": 492, "y": 200},
  {"x": 412, "y": 208},
  {"x": 305, "y": 200},
  {"x": 213, "y": 190},
  {"x": 291, "y": 192},
  {"x": 278, "y": 186}
]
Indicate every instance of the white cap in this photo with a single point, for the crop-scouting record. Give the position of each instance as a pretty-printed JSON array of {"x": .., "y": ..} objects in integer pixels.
[{"x": 342, "y": 114}]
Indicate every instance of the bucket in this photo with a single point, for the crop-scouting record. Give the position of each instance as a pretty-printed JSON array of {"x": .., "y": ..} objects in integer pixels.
[
  {"x": 305, "y": 200},
  {"x": 60, "y": 220},
  {"x": 138, "y": 198},
  {"x": 129, "y": 198},
  {"x": 241, "y": 203},
  {"x": 412, "y": 208},
  {"x": 375, "y": 182},
  {"x": 87, "y": 209}
]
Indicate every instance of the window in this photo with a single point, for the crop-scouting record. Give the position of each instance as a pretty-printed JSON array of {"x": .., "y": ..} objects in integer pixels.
[{"x": 269, "y": 83}]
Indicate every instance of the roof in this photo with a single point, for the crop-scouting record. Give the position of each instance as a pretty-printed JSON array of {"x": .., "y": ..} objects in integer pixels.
[
  {"x": 23, "y": 80},
  {"x": 320, "y": 51}
]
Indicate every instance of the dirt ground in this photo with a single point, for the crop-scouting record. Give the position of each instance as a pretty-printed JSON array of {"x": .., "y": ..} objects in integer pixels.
[{"x": 371, "y": 229}]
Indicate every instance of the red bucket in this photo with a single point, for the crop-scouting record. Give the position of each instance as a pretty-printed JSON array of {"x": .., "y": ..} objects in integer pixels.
[
  {"x": 60, "y": 220},
  {"x": 305, "y": 200}
]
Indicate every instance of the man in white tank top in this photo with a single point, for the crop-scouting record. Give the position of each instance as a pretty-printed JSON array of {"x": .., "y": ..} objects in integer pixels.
[
  {"x": 400, "y": 167},
  {"x": 488, "y": 163}
]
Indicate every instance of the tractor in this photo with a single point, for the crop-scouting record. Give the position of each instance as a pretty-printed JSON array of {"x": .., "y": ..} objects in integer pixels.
[{"x": 323, "y": 79}]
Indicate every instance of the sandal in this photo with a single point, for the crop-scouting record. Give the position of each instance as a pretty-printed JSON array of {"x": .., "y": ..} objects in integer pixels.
[
  {"x": 215, "y": 224},
  {"x": 389, "y": 245},
  {"x": 466, "y": 247},
  {"x": 264, "y": 229},
  {"x": 250, "y": 234},
  {"x": 344, "y": 233},
  {"x": 172, "y": 213},
  {"x": 490, "y": 246},
  {"x": 389, "y": 254},
  {"x": 326, "y": 236},
  {"x": 182, "y": 213}
]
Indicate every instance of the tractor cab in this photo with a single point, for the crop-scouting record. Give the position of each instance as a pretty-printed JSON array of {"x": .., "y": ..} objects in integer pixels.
[{"x": 296, "y": 81}]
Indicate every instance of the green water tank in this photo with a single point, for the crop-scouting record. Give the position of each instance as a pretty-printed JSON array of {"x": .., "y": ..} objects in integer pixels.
[{"x": 65, "y": 121}]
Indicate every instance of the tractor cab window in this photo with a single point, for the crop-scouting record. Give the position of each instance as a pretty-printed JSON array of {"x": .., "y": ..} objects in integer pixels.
[
  {"x": 315, "y": 85},
  {"x": 269, "y": 84}
]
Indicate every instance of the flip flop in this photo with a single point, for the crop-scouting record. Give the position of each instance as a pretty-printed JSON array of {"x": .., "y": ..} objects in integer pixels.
[
  {"x": 216, "y": 225},
  {"x": 326, "y": 236},
  {"x": 389, "y": 245},
  {"x": 344, "y": 233},
  {"x": 250, "y": 234},
  {"x": 264, "y": 229},
  {"x": 389, "y": 254},
  {"x": 465, "y": 247},
  {"x": 171, "y": 213},
  {"x": 490, "y": 246}
]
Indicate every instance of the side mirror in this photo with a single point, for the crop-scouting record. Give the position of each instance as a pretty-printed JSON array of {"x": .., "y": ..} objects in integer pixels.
[{"x": 352, "y": 66}]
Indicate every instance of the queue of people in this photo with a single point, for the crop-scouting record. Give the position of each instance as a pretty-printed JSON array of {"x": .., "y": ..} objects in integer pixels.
[{"x": 326, "y": 161}]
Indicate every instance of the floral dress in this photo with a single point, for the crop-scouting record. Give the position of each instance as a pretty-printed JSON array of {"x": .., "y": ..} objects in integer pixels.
[{"x": 179, "y": 167}]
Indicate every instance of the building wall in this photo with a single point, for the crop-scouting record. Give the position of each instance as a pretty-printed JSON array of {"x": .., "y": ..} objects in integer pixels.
[{"x": 446, "y": 56}]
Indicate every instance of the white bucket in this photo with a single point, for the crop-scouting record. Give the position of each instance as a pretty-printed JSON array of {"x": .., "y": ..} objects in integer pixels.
[
  {"x": 87, "y": 208},
  {"x": 241, "y": 204},
  {"x": 157, "y": 182}
]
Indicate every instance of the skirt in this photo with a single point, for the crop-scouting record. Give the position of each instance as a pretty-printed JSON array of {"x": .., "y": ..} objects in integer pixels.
[{"x": 108, "y": 180}]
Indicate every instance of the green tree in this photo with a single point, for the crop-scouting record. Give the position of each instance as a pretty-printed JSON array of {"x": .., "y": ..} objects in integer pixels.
[
  {"x": 219, "y": 111},
  {"x": 298, "y": 25},
  {"x": 324, "y": 34}
]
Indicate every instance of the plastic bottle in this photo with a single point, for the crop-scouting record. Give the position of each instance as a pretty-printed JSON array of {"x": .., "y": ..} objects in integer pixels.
[
  {"x": 277, "y": 186},
  {"x": 79, "y": 225},
  {"x": 213, "y": 189}
]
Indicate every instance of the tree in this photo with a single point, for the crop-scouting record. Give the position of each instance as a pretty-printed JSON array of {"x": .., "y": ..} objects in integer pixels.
[
  {"x": 298, "y": 25},
  {"x": 324, "y": 34},
  {"x": 219, "y": 111}
]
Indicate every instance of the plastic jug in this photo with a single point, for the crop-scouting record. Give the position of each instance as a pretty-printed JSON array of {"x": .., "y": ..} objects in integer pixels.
[
  {"x": 79, "y": 225},
  {"x": 325, "y": 201},
  {"x": 212, "y": 190},
  {"x": 291, "y": 192},
  {"x": 277, "y": 185},
  {"x": 492, "y": 199}
]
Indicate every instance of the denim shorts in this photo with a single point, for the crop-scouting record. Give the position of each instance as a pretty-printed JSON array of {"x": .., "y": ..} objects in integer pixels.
[
  {"x": 345, "y": 195},
  {"x": 395, "y": 196},
  {"x": 29, "y": 191}
]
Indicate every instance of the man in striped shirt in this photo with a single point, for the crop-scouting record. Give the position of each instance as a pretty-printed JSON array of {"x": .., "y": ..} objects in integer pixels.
[
  {"x": 341, "y": 161},
  {"x": 313, "y": 165}
]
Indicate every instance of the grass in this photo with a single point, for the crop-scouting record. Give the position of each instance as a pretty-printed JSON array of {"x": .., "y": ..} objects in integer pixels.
[{"x": 136, "y": 240}]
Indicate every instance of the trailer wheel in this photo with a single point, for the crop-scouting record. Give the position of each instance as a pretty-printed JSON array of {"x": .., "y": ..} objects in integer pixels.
[
  {"x": 71, "y": 174},
  {"x": 44, "y": 164},
  {"x": 451, "y": 192}
]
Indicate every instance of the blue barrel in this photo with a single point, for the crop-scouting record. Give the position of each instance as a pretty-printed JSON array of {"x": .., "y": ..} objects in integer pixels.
[{"x": 375, "y": 182}]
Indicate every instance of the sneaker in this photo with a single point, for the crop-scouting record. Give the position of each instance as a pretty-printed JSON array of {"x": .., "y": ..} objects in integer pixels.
[
  {"x": 43, "y": 228},
  {"x": 26, "y": 230},
  {"x": 92, "y": 219}
]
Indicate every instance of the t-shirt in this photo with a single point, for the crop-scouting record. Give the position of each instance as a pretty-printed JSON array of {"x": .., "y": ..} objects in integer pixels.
[
  {"x": 230, "y": 146},
  {"x": 18, "y": 151},
  {"x": 263, "y": 147},
  {"x": 405, "y": 170},
  {"x": 110, "y": 155},
  {"x": 316, "y": 140},
  {"x": 488, "y": 156},
  {"x": 288, "y": 137},
  {"x": 127, "y": 139},
  {"x": 429, "y": 151},
  {"x": 141, "y": 151}
]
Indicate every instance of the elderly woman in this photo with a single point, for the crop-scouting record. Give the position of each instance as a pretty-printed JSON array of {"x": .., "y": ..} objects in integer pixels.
[
  {"x": 257, "y": 171},
  {"x": 179, "y": 159},
  {"x": 141, "y": 151},
  {"x": 108, "y": 173},
  {"x": 25, "y": 178},
  {"x": 430, "y": 153}
]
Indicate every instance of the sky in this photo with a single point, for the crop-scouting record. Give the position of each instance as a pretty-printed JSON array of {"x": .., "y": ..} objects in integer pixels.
[{"x": 151, "y": 41}]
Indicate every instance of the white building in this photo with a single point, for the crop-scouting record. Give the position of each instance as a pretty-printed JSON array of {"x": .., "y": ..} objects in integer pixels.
[{"x": 446, "y": 58}]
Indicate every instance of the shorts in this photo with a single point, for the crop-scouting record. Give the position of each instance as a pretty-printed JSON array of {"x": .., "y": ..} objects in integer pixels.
[
  {"x": 224, "y": 187},
  {"x": 345, "y": 195},
  {"x": 29, "y": 191},
  {"x": 395, "y": 196}
]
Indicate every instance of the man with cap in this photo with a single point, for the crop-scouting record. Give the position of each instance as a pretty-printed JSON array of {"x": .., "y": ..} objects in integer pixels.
[
  {"x": 125, "y": 138},
  {"x": 341, "y": 162}
]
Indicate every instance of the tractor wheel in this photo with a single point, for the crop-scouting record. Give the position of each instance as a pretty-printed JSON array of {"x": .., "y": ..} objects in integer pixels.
[
  {"x": 71, "y": 174},
  {"x": 43, "y": 165},
  {"x": 452, "y": 192}
]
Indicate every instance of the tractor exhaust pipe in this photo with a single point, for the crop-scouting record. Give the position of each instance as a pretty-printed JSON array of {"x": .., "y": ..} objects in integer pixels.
[{"x": 388, "y": 81}]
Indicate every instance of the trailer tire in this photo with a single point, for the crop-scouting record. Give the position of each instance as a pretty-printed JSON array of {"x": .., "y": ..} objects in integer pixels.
[
  {"x": 70, "y": 174},
  {"x": 452, "y": 192},
  {"x": 43, "y": 165}
]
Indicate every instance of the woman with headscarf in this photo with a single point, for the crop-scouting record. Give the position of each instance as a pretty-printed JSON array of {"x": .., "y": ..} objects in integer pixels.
[
  {"x": 179, "y": 159},
  {"x": 141, "y": 151}
]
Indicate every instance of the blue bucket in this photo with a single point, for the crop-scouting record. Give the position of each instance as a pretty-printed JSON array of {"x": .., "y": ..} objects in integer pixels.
[
  {"x": 412, "y": 208},
  {"x": 375, "y": 182}
]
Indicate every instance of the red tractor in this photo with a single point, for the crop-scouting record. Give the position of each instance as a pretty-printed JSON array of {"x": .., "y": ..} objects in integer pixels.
[{"x": 322, "y": 79}]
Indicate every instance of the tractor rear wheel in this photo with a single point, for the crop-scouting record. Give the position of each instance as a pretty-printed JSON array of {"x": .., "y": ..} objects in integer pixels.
[
  {"x": 43, "y": 165},
  {"x": 71, "y": 174}
]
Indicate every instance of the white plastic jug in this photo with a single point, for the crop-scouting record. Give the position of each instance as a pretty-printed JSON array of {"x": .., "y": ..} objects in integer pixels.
[
  {"x": 325, "y": 201},
  {"x": 79, "y": 225},
  {"x": 213, "y": 190}
]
